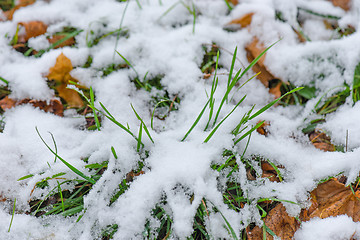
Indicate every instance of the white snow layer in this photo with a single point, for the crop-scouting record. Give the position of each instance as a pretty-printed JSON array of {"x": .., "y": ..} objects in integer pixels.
[{"x": 163, "y": 40}]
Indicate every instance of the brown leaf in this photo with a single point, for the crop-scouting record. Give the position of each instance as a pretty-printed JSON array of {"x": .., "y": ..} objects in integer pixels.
[
  {"x": 321, "y": 141},
  {"x": 344, "y": 4},
  {"x": 253, "y": 50},
  {"x": 32, "y": 29},
  {"x": 7, "y": 103},
  {"x": 333, "y": 198},
  {"x": 53, "y": 106},
  {"x": 243, "y": 21},
  {"x": 263, "y": 129},
  {"x": 60, "y": 73},
  {"x": 269, "y": 172},
  {"x": 22, "y": 3},
  {"x": 279, "y": 222},
  {"x": 234, "y": 2},
  {"x": 68, "y": 42}
]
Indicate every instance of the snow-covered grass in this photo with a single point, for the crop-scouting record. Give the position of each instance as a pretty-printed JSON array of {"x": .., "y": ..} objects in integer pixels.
[{"x": 173, "y": 140}]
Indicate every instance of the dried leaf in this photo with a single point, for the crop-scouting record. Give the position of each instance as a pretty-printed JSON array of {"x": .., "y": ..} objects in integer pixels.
[
  {"x": 22, "y": 3},
  {"x": 333, "y": 198},
  {"x": 7, "y": 103},
  {"x": 243, "y": 21},
  {"x": 234, "y": 2},
  {"x": 60, "y": 73},
  {"x": 32, "y": 29},
  {"x": 253, "y": 50},
  {"x": 321, "y": 141},
  {"x": 269, "y": 172},
  {"x": 68, "y": 42},
  {"x": 53, "y": 106},
  {"x": 278, "y": 221},
  {"x": 344, "y": 4},
  {"x": 263, "y": 128}
]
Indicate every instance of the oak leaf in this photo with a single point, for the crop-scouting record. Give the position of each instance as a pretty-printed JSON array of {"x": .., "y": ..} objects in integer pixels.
[{"x": 60, "y": 73}]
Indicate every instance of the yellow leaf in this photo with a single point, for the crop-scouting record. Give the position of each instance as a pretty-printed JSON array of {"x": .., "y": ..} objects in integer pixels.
[{"x": 60, "y": 73}]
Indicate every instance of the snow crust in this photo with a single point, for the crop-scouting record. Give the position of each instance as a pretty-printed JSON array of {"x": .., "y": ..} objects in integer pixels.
[{"x": 166, "y": 44}]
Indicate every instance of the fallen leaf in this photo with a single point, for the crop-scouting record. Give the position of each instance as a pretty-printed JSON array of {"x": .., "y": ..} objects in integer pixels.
[
  {"x": 60, "y": 73},
  {"x": 269, "y": 172},
  {"x": 234, "y": 2},
  {"x": 32, "y": 29},
  {"x": 7, "y": 103},
  {"x": 253, "y": 50},
  {"x": 278, "y": 221},
  {"x": 68, "y": 42},
  {"x": 131, "y": 175},
  {"x": 53, "y": 106},
  {"x": 344, "y": 4},
  {"x": 243, "y": 21},
  {"x": 321, "y": 141},
  {"x": 333, "y": 198},
  {"x": 22, "y": 3},
  {"x": 263, "y": 128}
]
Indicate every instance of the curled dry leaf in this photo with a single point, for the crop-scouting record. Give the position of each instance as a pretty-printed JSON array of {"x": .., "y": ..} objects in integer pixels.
[
  {"x": 60, "y": 73},
  {"x": 234, "y": 2},
  {"x": 321, "y": 141},
  {"x": 278, "y": 221},
  {"x": 22, "y": 3},
  {"x": 269, "y": 172},
  {"x": 53, "y": 106},
  {"x": 32, "y": 29}
]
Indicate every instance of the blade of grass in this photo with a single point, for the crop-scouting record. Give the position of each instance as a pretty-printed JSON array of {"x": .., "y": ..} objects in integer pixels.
[
  {"x": 218, "y": 125},
  {"x": 139, "y": 137},
  {"x": 127, "y": 62},
  {"x": 71, "y": 167},
  {"x": 61, "y": 197},
  {"x": 113, "y": 152},
  {"x": 92, "y": 102},
  {"x": 144, "y": 125},
  {"x": 249, "y": 132},
  {"x": 196, "y": 121},
  {"x": 273, "y": 102},
  {"x": 12, "y": 216}
]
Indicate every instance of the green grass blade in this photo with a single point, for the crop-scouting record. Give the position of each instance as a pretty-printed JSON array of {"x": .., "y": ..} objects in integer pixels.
[
  {"x": 92, "y": 100},
  {"x": 272, "y": 103},
  {"x": 276, "y": 170},
  {"x": 249, "y": 132},
  {"x": 4, "y": 80},
  {"x": 144, "y": 125},
  {"x": 233, "y": 234},
  {"x": 114, "y": 152},
  {"x": 218, "y": 125},
  {"x": 71, "y": 167},
  {"x": 232, "y": 66},
  {"x": 356, "y": 84},
  {"x": 25, "y": 177},
  {"x": 153, "y": 112},
  {"x": 127, "y": 62},
  {"x": 12, "y": 216},
  {"x": 61, "y": 197},
  {"x": 196, "y": 121},
  {"x": 139, "y": 137}
]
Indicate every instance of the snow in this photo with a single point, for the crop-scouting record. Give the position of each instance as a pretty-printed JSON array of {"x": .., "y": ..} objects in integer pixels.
[{"x": 161, "y": 43}]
